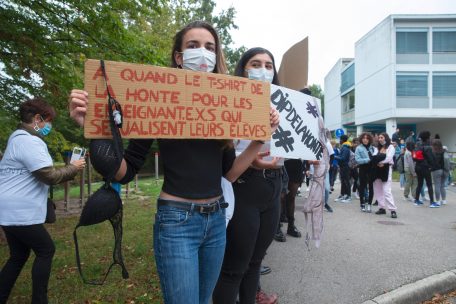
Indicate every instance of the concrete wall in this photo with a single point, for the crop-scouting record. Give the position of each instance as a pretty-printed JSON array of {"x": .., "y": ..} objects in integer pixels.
[
  {"x": 374, "y": 68},
  {"x": 333, "y": 106}
]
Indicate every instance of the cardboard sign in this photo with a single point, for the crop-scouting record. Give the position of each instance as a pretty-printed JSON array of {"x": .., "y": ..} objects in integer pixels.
[
  {"x": 162, "y": 102},
  {"x": 299, "y": 130},
  {"x": 294, "y": 66}
]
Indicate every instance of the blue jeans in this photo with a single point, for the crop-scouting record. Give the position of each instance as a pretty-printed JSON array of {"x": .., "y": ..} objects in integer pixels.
[{"x": 189, "y": 248}]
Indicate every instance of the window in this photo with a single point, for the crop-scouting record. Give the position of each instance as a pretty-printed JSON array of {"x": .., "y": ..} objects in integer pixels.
[
  {"x": 347, "y": 78},
  {"x": 411, "y": 41},
  {"x": 444, "y": 40},
  {"x": 412, "y": 85},
  {"x": 348, "y": 101},
  {"x": 443, "y": 85}
]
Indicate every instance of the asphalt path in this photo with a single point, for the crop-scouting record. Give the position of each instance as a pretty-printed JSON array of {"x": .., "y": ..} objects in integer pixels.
[{"x": 363, "y": 255}]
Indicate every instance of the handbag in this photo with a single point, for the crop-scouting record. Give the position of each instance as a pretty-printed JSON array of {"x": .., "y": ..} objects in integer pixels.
[{"x": 50, "y": 213}]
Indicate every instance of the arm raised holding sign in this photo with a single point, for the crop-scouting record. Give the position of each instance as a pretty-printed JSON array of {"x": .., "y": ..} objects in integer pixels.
[{"x": 189, "y": 210}]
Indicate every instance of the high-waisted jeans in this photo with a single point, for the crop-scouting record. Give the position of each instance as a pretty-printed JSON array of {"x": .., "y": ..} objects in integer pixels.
[{"x": 188, "y": 248}]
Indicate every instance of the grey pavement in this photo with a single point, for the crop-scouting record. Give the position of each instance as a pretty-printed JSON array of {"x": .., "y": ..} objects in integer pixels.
[{"x": 367, "y": 257}]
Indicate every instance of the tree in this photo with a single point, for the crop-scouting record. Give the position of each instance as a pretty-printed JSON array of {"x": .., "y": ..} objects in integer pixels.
[
  {"x": 316, "y": 91},
  {"x": 43, "y": 45}
]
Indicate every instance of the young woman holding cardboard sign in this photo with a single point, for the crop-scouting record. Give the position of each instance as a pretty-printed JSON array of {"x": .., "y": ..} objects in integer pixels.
[
  {"x": 255, "y": 219},
  {"x": 189, "y": 229}
]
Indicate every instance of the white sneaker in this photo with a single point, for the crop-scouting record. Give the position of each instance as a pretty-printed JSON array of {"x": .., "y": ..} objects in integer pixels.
[
  {"x": 402, "y": 188},
  {"x": 443, "y": 202},
  {"x": 356, "y": 195},
  {"x": 341, "y": 197},
  {"x": 346, "y": 200}
]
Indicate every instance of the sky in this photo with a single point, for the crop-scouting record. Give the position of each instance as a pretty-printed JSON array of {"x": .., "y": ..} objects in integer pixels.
[{"x": 333, "y": 26}]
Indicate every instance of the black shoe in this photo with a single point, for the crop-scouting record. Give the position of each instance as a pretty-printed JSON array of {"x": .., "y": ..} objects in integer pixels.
[
  {"x": 283, "y": 218},
  {"x": 279, "y": 236},
  {"x": 393, "y": 214},
  {"x": 265, "y": 270},
  {"x": 293, "y": 231},
  {"x": 376, "y": 203},
  {"x": 328, "y": 208},
  {"x": 381, "y": 211}
]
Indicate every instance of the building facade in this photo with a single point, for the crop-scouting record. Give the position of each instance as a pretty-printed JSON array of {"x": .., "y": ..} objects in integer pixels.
[{"x": 403, "y": 76}]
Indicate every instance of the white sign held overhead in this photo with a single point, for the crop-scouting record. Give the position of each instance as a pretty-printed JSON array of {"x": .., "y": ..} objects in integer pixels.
[{"x": 299, "y": 130}]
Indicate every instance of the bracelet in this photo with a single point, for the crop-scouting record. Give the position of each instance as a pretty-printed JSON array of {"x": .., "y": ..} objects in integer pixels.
[{"x": 260, "y": 141}]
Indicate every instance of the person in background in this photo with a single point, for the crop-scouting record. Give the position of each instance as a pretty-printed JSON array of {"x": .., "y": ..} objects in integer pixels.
[
  {"x": 354, "y": 173},
  {"x": 396, "y": 137},
  {"x": 424, "y": 161},
  {"x": 344, "y": 170},
  {"x": 440, "y": 171},
  {"x": 26, "y": 171},
  {"x": 190, "y": 224},
  {"x": 409, "y": 172},
  {"x": 382, "y": 182},
  {"x": 410, "y": 137},
  {"x": 334, "y": 168},
  {"x": 363, "y": 155},
  {"x": 331, "y": 157},
  {"x": 400, "y": 168},
  {"x": 256, "y": 215}
]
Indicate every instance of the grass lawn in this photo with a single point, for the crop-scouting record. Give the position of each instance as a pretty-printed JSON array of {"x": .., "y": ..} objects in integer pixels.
[{"x": 96, "y": 245}]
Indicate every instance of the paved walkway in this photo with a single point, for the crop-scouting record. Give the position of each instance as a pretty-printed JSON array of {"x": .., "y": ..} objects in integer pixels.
[{"x": 363, "y": 255}]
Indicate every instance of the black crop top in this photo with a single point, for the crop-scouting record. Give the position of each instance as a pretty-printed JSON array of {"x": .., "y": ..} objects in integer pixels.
[{"x": 192, "y": 167}]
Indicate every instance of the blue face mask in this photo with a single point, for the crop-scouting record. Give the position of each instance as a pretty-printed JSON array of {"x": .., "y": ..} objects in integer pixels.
[{"x": 45, "y": 130}]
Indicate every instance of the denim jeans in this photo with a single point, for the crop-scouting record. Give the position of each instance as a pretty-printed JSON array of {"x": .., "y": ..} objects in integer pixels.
[{"x": 189, "y": 248}]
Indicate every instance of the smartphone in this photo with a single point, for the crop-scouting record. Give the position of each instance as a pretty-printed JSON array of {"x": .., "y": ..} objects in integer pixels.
[{"x": 77, "y": 154}]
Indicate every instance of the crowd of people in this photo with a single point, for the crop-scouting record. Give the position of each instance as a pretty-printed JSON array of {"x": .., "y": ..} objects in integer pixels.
[
  {"x": 365, "y": 166},
  {"x": 199, "y": 258}
]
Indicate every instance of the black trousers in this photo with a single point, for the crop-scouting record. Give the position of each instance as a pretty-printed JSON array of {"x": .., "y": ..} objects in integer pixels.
[
  {"x": 355, "y": 175},
  {"x": 345, "y": 180},
  {"x": 249, "y": 234},
  {"x": 424, "y": 174},
  {"x": 365, "y": 182},
  {"x": 333, "y": 174},
  {"x": 21, "y": 240}
]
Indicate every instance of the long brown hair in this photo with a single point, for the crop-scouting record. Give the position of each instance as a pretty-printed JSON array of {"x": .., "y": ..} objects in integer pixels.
[{"x": 220, "y": 65}]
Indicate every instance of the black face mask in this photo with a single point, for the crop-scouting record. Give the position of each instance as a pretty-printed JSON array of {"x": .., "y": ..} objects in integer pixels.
[{"x": 105, "y": 204}]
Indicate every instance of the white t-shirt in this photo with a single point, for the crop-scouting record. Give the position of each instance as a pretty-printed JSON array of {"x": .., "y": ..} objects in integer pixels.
[{"x": 23, "y": 199}]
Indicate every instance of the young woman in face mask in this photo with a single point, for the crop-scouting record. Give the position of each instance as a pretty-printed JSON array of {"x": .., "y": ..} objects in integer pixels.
[
  {"x": 26, "y": 171},
  {"x": 382, "y": 183},
  {"x": 189, "y": 228},
  {"x": 256, "y": 215}
]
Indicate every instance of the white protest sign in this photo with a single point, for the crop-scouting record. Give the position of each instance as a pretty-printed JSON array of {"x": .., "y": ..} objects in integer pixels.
[{"x": 298, "y": 133}]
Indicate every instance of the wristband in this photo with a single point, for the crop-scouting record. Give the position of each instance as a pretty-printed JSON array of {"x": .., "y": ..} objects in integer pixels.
[{"x": 260, "y": 141}]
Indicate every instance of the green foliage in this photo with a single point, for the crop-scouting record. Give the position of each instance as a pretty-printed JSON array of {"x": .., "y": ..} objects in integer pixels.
[
  {"x": 43, "y": 46},
  {"x": 316, "y": 91}
]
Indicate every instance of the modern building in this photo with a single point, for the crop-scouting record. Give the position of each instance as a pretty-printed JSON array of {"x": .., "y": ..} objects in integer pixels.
[{"x": 403, "y": 76}]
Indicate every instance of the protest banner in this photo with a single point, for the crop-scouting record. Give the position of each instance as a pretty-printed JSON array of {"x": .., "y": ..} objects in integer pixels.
[
  {"x": 298, "y": 135},
  {"x": 162, "y": 102}
]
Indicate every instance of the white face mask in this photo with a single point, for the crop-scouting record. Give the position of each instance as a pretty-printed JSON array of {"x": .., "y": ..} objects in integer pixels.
[
  {"x": 261, "y": 74},
  {"x": 200, "y": 60}
]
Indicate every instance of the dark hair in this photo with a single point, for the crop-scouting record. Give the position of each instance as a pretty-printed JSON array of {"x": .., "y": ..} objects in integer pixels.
[
  {"x": 387, "y": 141},
  {"x": 240, "y": 67},
  {"x": 343, "y": 138},
  {"x": 220, "y": 65},
  {"x": 425, "y": 135},
  {"x": 306, "y": 91},
  {"x": 34, "y": 106},
  {"x": 410, "y": 146},
  {"x": 437, "y": 146},
  {"x": 369, "y": 136},
  {"x": 436, "y": 136}
]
